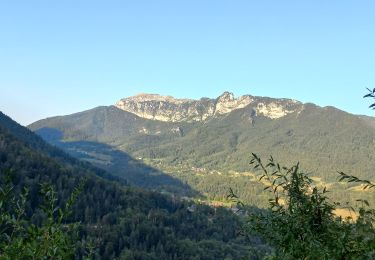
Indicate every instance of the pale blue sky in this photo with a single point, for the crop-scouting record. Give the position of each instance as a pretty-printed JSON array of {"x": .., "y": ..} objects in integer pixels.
[{"x": 60, "y": 57}]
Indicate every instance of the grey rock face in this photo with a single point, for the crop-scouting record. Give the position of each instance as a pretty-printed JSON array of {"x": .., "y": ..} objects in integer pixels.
[{"x": 169, "y": 109}]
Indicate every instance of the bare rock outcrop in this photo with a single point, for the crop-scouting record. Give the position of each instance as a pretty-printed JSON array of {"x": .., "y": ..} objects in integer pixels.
[{"x": 170, "y": 109}]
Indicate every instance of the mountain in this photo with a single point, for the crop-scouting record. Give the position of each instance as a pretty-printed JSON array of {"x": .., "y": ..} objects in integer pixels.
[
  {"x": 122, "y": 221},
  {"x": 209, "y": 141}
]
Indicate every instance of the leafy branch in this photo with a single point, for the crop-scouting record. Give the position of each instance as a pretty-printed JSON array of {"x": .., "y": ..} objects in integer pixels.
[
  {"x": 372, "y": 95},
  {"x": 350, "y": 178},
  {"x": 20, "y": 239}
]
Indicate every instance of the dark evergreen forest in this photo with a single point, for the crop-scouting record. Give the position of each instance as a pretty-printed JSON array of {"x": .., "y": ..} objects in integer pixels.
[{"x": 120, "y": 221}]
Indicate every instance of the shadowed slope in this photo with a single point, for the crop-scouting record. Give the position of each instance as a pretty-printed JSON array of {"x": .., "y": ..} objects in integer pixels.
[{"x": 119, "y": 163}]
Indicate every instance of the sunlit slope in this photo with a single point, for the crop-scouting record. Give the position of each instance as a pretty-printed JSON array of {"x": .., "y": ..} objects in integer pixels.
[{"x": 324, "y": 140}]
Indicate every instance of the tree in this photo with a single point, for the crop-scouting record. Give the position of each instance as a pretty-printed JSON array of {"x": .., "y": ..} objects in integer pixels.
[
  {"x": 300, "y": 222},
  {"x": 19, "y": 239}
]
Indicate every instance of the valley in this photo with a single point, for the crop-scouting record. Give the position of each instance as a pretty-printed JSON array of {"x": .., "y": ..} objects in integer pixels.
[{"x": 187, "y": 130}]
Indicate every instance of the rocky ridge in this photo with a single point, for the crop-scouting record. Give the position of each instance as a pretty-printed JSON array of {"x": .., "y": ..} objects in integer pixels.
[{"x": 170, "y": 109}]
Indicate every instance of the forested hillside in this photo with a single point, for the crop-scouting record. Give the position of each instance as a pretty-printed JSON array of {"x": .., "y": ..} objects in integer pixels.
[
  {"x": 216, "y": 150},
  {"x": 119, "y": 220}
]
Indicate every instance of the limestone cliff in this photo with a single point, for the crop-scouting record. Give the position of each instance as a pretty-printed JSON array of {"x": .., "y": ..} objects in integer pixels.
[{"x": 169, "y": 109}]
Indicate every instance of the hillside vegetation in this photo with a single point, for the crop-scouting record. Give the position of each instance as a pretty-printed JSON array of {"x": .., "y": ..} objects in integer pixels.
[
  {"x": 325, "y": 140},
  {"x": 117, "y": 220}
]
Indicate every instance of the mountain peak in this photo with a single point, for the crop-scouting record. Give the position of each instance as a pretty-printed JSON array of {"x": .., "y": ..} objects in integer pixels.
[
  {"x": 170, "y": 109},
  {"x": 226, "y": 96}
]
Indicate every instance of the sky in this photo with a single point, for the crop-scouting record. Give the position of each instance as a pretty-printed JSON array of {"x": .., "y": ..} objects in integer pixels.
[{"x": 62, "y": 57}]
